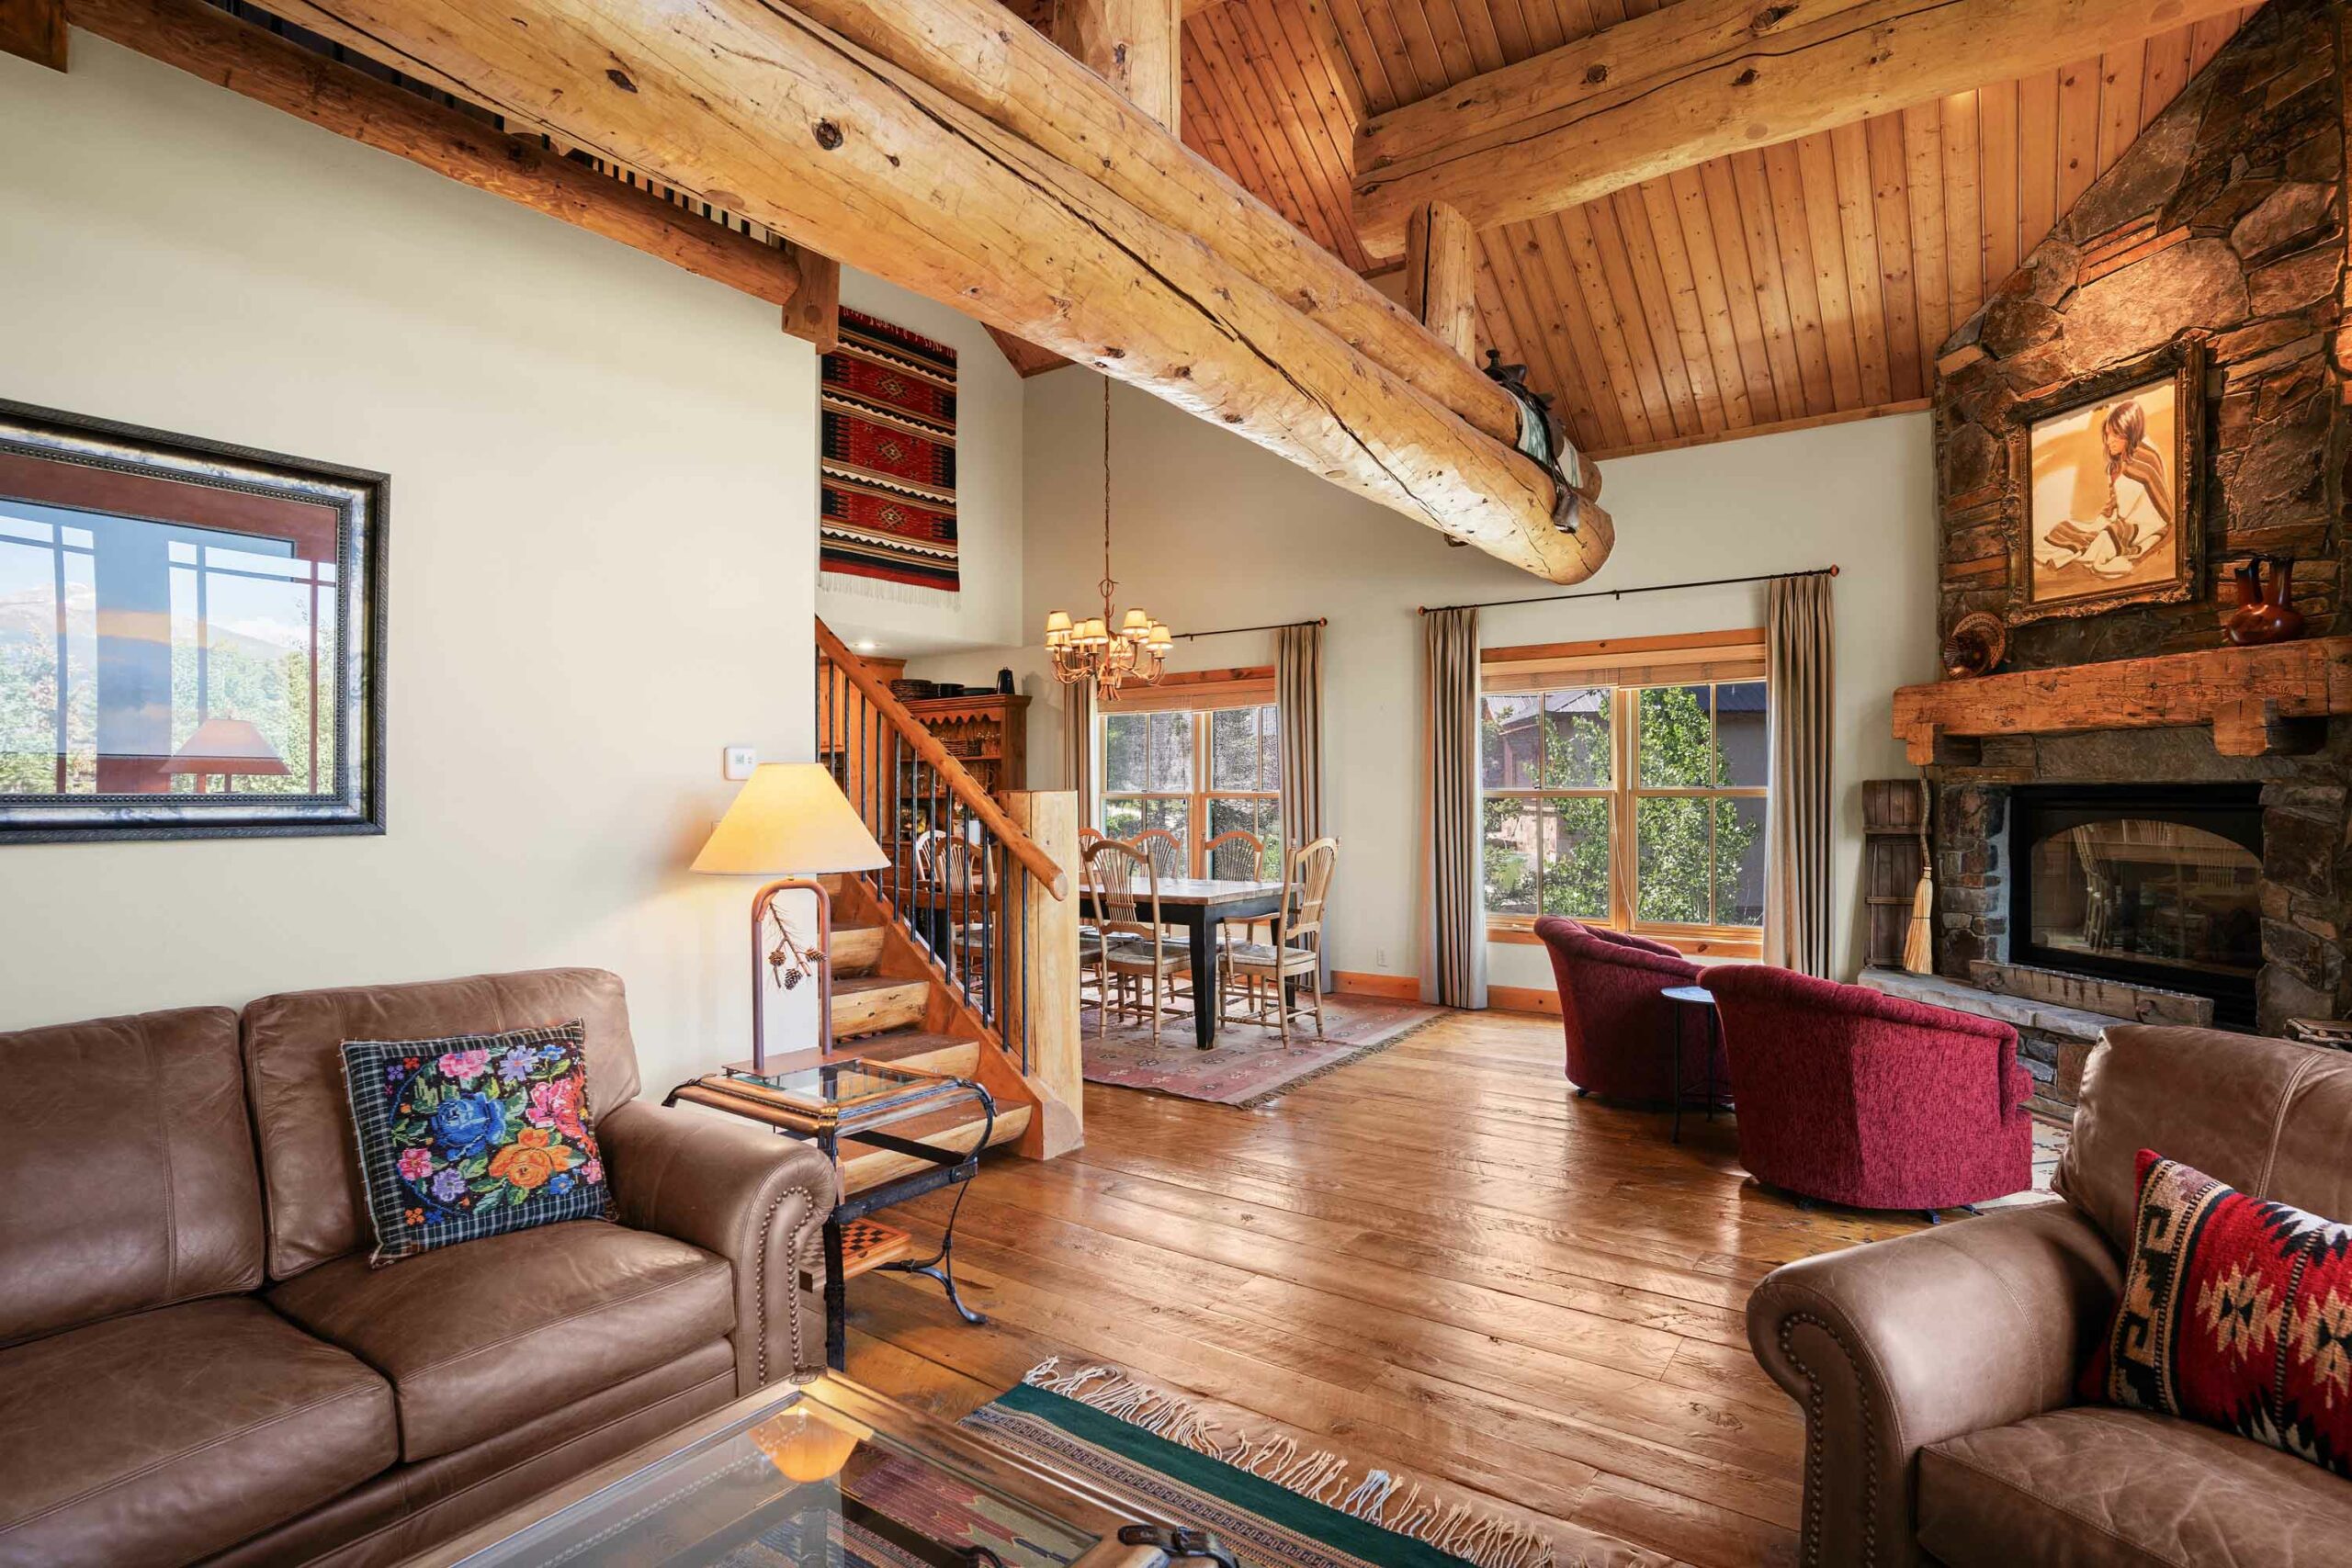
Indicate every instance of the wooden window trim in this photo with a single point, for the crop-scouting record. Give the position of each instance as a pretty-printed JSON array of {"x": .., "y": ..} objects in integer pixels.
[
  {"x": 1625, "y": 665},
  {"x": 1201, "y": 692}
]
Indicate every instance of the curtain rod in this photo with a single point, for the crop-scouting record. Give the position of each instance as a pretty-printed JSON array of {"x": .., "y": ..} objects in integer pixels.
[
  {"x": 1280, "y": 626},
  {"x": 1621, "y": 592}
]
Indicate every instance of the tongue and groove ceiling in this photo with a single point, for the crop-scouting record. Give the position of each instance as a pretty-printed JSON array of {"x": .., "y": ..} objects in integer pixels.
[{"x": 1807, "y": 281}]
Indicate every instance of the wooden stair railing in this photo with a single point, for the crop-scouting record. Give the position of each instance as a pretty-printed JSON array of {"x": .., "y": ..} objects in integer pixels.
[{"x": 974, "y": 905}]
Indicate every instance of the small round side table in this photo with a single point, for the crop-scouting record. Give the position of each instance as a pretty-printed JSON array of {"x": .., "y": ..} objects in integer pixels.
[{"x": 1681, "y": 1001}]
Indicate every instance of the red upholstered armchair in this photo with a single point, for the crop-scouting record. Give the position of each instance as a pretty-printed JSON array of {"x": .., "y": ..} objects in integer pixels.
[
  {"x": 1617, "y": 1024},
  {"x": 1857, "y": 1098}
]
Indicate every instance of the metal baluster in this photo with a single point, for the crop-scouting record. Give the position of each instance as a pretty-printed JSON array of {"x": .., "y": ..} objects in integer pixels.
[
  {"x": 988, "y": 931},
  {"x": 1023, "y": 978}
]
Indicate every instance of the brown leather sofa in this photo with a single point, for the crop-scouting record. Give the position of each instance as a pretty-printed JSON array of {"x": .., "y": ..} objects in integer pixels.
[
  {"x": 1937, "y": 1371},
  {"x": 197, "y": 1363}
]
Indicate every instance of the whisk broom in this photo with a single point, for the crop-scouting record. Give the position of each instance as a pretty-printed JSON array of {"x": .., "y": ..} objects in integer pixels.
[{"x": 1919, "y": 940}]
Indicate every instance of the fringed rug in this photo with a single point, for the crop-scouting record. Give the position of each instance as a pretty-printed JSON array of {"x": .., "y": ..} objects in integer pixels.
[
  {"x": 888, "y": 527},
  {"x": 1249, "y": 1064},
  {"x": 1270, "y": 1504}
]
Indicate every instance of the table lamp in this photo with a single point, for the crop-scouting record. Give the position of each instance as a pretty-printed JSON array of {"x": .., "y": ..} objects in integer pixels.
[
  {"x": 792, "y": 822},
  {"x": 227, "y": 746}
]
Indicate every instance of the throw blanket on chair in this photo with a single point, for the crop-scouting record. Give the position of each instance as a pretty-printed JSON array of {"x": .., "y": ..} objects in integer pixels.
[{"x": 889, "y": 524}]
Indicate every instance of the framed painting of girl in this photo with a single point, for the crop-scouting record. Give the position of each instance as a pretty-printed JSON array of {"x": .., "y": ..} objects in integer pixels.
[{"x": 2104, "y": 488}]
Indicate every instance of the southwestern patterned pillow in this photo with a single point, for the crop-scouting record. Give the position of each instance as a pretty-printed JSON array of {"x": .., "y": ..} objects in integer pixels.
[
  {"x": 471, "y": 1136},
  {"x": 2237, "y": 1313}
]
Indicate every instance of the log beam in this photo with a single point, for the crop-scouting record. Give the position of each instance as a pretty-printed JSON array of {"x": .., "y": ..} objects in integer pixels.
[
  {"x": 1132, "y": 45},
  {"x": 1692, "y": 81},
  {"x": 1020, "y": 83},
  {"x": 1440, "y": 277},
  {"x": 34, "y": 30},
  {"x": 755, "y": 105},
  {"x": 271, "y": 70}
]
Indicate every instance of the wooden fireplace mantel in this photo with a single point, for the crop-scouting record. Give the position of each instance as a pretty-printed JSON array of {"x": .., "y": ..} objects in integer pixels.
[{"x": 2258, "y": 700}]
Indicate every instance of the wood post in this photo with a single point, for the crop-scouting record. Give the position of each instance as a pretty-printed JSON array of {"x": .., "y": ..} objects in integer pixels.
[
  {"x": 271, "y": 70},
  {"x": 753, "y": 106},
  {"x": 34, "y": 29},
  {"x": 1043, "y": 960},
  {"x": 815, "y": 312},
  {"x": 1441, "y": 275},
  {"x": 1132, "y": 44}
]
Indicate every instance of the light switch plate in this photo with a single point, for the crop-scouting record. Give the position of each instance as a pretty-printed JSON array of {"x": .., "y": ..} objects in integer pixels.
[{"x": 740, "y": 761}]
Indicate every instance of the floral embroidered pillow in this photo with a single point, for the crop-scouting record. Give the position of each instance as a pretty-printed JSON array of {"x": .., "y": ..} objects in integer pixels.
[{"x": 473, "y": 1136}]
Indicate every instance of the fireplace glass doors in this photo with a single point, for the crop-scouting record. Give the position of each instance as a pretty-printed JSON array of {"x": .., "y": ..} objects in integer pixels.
[{"x": 2157, "y": 885}]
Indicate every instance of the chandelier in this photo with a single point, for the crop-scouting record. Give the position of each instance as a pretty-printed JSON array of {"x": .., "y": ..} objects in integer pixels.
[{"x": 1089, "y": 649}]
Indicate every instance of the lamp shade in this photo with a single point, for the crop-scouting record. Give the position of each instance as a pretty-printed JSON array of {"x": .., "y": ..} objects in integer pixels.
[
  {"x": 789, "y": 820},
  {"x": 226, "y": 746}
]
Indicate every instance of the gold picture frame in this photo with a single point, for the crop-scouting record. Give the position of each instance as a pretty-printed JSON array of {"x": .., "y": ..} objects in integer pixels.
[{"x": 2105, "y": 489}]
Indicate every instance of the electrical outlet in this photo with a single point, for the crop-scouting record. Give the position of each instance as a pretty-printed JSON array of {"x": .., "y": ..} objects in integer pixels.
[
  {"x": 1380, "y": 959},
  {"x": 740, "y": 761}
]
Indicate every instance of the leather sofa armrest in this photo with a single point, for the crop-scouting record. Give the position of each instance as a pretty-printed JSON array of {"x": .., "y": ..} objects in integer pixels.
[
  {"x": 1903, "y": 1343},
  {"x": 757, "y": 1199}
]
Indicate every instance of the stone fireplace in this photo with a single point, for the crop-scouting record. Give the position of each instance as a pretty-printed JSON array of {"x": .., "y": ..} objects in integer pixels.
[
  {"x": 2141, "y": 884},
  {"x": 2224, "y": 222},
  {"x": 2299, "y": 805}
]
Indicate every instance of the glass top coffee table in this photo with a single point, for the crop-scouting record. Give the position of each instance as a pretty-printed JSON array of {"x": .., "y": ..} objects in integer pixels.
[
  {"x": 875, "y": 1103},
  {"x": 833, "y": 1476}
]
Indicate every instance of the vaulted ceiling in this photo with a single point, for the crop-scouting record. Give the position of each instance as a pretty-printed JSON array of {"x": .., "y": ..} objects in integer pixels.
[{"x": 1803, "y": 282}]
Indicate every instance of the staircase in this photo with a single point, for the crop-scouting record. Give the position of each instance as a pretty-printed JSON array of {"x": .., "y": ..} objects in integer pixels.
[
  {"x": 880, "y": 1016},
  {"x": 949, "y": 959}
]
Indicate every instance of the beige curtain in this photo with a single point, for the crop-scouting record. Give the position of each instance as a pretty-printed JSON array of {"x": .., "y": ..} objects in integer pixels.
[
  {"x": 1078, "y": 748},
  {"x": 1798, "y": 826},
  {"x": 1454, "y": 968},
  {"x": 1298, "y": 699}
]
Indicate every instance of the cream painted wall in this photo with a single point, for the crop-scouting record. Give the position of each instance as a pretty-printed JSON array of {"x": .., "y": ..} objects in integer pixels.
[
  {"x": 989, "y": 459},
  {"x": 602, "y": 542},
  {"x": 1211, "y": 532}
]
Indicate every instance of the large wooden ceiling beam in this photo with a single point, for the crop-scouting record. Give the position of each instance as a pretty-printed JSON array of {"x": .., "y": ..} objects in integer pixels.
[
  {"x": 1698, "y": 79},
  {"x": 755, "y": 105},
  {"x": 35, "y": 30},
  {"x": 1016, "y": 79},
  {"x": 260, "y": 65}
]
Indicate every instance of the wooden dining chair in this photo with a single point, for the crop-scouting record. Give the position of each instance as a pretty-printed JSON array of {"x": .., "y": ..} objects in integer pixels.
[
  {"x": 1266, "y": 977},
  {"x": 1130, "y": 945},
  {"x": 1234, "y": 856},
  {"x": 1166, "y": 850}
]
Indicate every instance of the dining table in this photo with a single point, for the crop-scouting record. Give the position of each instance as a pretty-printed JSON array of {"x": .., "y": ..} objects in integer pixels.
[{"x": 1199, "y": 903}]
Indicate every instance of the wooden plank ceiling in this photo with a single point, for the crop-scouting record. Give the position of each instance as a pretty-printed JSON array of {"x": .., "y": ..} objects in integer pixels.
[{"x": 1801, "y": 283}]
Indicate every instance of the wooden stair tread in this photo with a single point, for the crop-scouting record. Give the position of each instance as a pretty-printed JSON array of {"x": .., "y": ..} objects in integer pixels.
[
  {"x": 872, "y": 1004},
  {"x": 866, "y": 1245},
  {"x": 957, "y": 1127},
  {"x": 855, "y": 950},
  {"x": 931, "y": 1053}
]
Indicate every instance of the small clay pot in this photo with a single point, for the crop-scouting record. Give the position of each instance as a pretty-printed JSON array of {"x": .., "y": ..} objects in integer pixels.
[
  {"x": 2267, "y": 612},
  {"x": 1976, "y": 646}
]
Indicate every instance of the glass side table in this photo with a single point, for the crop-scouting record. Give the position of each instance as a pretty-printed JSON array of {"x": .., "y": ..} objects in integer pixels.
[
  {"x": 862, "y": 1100},
  {"x": 815, "y": 1477}
]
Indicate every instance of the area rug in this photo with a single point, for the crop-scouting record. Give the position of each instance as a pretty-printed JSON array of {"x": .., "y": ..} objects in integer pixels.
[
  {"x": 1271, "y": 1505},
  {"x": 888, "y": 527},
  {"x": 1247, "y": 1065}
]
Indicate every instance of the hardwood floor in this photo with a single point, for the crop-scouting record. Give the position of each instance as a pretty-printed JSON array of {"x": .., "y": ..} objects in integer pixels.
[{"x": 1437, "y": 1261}]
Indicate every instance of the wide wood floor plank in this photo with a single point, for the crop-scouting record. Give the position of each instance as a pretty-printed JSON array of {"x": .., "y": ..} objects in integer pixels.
[{"x": 1437, "y": 1261}]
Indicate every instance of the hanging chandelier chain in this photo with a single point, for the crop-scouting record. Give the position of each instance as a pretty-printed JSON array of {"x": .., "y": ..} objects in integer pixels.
[
  {"x": 1109, "y": 584},
  {"x": 1105, "y": 651}
]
